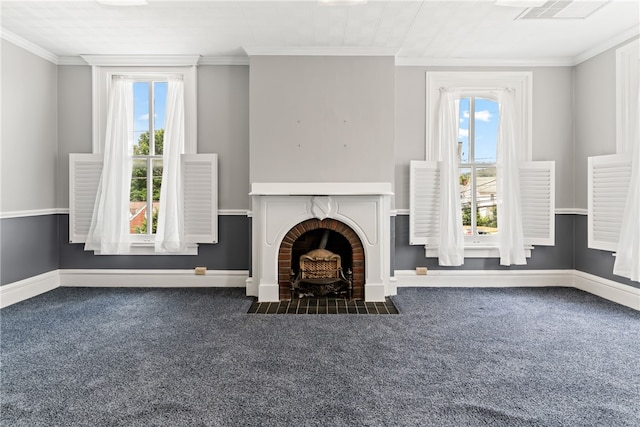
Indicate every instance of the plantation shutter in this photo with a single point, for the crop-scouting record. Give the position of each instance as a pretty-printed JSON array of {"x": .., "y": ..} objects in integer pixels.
[
  {"x": 199, "y": 188},
  {"x": 200, "y": 176},
  {"x": 84, "y": 177},
  {"x": 608, "y": 185},
  {"x": 424, "y": 203},
  {"x": 537, "y": 190},
  {"x": 537, "y": 187}
]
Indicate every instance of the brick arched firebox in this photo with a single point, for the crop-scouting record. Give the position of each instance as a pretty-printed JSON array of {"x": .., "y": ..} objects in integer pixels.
[{"x": 286, "y": 252}]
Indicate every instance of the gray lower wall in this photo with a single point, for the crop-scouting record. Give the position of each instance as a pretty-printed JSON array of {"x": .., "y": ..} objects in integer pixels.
[
  {"x": 28, "y": 247},
  {"x": 38, "y": 244},
  {"x": 593, "y": 261},
  {"x": 233, "y": 252},
  {"x": 558, "y": 257}
]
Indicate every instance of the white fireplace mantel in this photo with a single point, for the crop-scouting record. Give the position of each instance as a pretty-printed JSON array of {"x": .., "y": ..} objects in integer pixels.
[
  {"x": 278, "y": 207},
  {"x": 320, "y": 188}
]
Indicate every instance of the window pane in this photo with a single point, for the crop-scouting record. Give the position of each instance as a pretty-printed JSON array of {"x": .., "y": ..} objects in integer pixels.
[
  {"x": 141, "y": 118},
  {"x": 463, "y": 130},
  {"x": 486, "y": 130},
  {"x": 465, "y": 199},
  {"x": 138, "y": 198},
  {"x": 157, "y": 179},
  {"x": 159, "y": 107},
  {"x": 487, "y": 213}
]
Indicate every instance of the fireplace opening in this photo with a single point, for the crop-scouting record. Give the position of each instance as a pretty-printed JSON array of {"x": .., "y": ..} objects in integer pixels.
[
  {"x": 323, "y": 240},
  {"x": 335, "y": 243}
]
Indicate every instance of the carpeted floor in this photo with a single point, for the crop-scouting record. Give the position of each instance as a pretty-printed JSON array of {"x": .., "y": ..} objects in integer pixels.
[{"x": 452, "y": 357}]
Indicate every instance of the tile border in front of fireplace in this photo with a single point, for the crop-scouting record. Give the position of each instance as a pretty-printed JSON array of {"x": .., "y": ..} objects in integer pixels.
[{"x": 323, "y": 306}]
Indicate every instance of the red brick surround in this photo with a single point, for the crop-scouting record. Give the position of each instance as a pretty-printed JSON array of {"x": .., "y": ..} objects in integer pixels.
[{"x": 284, "y": 254}]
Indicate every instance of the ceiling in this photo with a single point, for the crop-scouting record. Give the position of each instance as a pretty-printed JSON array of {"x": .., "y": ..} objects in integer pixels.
[{"x": 429, "y": 32}]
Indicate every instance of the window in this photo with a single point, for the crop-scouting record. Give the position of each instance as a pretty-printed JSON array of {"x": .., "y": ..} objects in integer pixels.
[
  {"x": 149, "y": 108},
  {"x": 475, "y": 178},
  {"x": 165, "y": 200},
  {"x": 477, "y": 152}
]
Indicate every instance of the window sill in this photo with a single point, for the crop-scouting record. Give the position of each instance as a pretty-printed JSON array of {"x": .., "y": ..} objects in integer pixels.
[
  {"x": 476, "y": 251},
  {"x": 149, "y": 249}
]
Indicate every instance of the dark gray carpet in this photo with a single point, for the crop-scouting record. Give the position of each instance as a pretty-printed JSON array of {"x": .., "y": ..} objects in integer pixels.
[{"x": 453, "y": 357}]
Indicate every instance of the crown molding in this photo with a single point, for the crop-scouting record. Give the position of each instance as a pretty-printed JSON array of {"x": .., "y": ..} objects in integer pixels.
[
  {"x": 141, "y": 60},
  {"x": 609, "y": 44},
  {"x": 481, "y": 62},
  {"x": 318, "y": 51},
  {"x": 224, "y": 60},
  {"x": 71, "y": 60},
  {"x": 28, "y": 46},
  {"x": 186, "y": 60}
]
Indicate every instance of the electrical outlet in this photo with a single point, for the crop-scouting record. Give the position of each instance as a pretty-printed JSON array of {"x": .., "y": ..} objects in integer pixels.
[
  {"x": 421, "y": 271},
  {"x": 201, "y": 271}
]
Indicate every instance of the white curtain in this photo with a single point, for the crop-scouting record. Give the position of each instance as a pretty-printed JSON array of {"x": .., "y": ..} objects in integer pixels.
[
  {"x": 109, "y": 231},
  {"x": 627, "y": 263},
  {"x": 511, "y": 235},
  {"x": 451, "y": 240},
  {"x": 170, "y": 230}
]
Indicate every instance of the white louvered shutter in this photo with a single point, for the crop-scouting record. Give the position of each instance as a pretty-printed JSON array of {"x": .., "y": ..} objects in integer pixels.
[
  {"x": 200, "y": 177},
  {"x": 608, "y": 185},
  {"x": 84, "y": 178},
  {"x": 537, "y": 190},
  {"x": 424, "y": 203}
]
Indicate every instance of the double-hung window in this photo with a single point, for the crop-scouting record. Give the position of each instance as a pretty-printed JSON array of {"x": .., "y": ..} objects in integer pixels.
[
  {"x": 463, "y": 198},
  {"x": 477, "y": 152},
  {"x": 149, "y": 111},
  {"x": 144, "y": 145}
]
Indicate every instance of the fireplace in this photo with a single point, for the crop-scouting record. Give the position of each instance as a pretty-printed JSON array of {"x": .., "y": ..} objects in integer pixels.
[
  {"x": 327, "y": 242},
  {"x": 289, "y": 220}
]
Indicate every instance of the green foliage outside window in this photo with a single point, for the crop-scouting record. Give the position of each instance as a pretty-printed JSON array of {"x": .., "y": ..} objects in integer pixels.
[{"x": 139, "y": 176}]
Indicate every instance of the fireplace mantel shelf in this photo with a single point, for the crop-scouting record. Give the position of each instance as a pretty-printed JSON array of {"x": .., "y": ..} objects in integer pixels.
[{"x": 320, "y": 188}]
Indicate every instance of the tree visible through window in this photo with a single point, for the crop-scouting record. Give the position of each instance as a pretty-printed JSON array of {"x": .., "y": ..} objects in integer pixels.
[
  {"x": 149, "y": 106},
  {"x": 477, "y": 152}
]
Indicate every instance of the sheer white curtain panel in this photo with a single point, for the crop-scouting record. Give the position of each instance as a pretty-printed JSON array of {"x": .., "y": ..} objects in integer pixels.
[
  {"x": 627, "y": 263},
  {"x": 511, "y": 234},
  {"x": 170, "y": 230},
  {"x": 109, "y": 232},
  {"x": 451, "y": 240}
]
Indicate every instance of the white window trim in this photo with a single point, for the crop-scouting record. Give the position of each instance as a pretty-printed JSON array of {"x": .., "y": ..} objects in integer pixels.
[
  {"x": 101, "y": 81},
  {"x": 104, "y": 68},
  {"x": 627, "y": 73},
  {"x": 476, "y": 82},
  {"x": 520, "y": 81}
]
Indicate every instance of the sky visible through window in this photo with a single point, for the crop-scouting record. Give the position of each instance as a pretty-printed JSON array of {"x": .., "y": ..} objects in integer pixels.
[
  {"x": 141, "y": 106},
  {"x": 486, "y": 130}
]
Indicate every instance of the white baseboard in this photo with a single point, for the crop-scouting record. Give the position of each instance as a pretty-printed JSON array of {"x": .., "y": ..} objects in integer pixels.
[
  {"x": 154, "y": 278},
  {"x": 28, "y": 288},
  {"x": 608, "y": 289},
  {"x": 485, "y": 278},
  {"x": 613, "y": 291}
]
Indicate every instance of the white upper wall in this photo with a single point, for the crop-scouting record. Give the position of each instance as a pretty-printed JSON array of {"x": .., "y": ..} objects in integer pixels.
[
  {"x": 47, "y": 115},
  {"x": 29, "y": 133},
  {"x": 322, "y": 119},
  {"x": 223, "y": 126},
  {"x": 552, "y": 124},
  {"x": 595, "y": 115}
]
